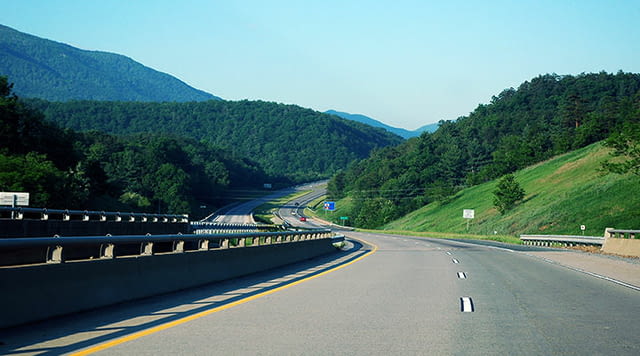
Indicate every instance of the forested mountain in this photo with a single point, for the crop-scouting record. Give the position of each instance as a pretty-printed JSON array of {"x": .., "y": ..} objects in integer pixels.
[
  {"x": 543, "y": 117},
  {"x": 284, "y": 139},
  {"x": 375, "y": 123},
  {"x": 50, "y": 70},
  {"x": 93, "y": 170}
]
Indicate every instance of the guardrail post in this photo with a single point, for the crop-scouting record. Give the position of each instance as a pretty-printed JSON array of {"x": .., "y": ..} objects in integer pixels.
[
  {"x": 106, "y": 251},
  {"x": 66, "y": 216},
  {"x": 242, "y": 242},
  {"x": 224, "y": 243},
  {"x": 103, "y": 216},
  {"x": 85, "y": 216},
  {"x": 54, "y": 254},
  {"x": 146, "y": 249},
  {"x": 178, "y": 246},
  {"x": 203, "y": 245}
]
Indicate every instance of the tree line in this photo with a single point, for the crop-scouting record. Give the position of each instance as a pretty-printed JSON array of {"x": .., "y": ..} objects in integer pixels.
[
  {"x": 543, "y": 117},
  {"x": 165, "y": 173},
  {"x": 285, "y": 140}
]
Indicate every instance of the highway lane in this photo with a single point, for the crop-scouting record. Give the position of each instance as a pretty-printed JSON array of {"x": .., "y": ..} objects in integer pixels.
[
  {"x": 293, "y": 211},
  {"x": 242, "y": 213},
  {"x": 402, "y": 299},
  {"x": 405, "y": 299}
]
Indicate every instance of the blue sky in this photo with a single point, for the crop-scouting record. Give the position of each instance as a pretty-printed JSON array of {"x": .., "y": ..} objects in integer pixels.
[{"x": 406, "y": 63}]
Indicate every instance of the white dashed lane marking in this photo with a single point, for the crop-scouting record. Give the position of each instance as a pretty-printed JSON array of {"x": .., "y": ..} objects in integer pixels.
[{"x": 466, "y": 305}]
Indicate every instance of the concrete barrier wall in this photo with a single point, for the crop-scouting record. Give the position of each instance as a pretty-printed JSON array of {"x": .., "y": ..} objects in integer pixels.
[
  {"x": 623, "y": 247},
  {"x": 32, "y": 293},
  {"x": 49, "y": 228}
]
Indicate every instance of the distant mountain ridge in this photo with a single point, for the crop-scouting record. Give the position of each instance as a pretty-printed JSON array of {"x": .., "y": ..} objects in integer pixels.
[
  {"x": 375, "y": 123},
  {"x": 50, "y": 70}
]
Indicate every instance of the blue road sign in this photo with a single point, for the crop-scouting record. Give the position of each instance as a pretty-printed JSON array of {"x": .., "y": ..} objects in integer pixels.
[{"x": 330, "y": 205}]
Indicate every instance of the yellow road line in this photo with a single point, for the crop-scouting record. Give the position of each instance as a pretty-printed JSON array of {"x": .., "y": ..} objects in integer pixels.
[{"x": 189, "y": 318}]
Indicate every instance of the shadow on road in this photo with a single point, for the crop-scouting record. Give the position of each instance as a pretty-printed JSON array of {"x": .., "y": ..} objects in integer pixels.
[{"x": 79, "y": 331}]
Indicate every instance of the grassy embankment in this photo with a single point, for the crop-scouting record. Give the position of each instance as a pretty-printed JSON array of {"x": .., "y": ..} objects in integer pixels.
[{"x": 561, "y": 194}]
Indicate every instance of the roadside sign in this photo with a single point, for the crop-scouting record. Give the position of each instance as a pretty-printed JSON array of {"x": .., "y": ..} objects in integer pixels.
[
  {"x": 330, "y": 205},
  {"x": 582, "y": 227},
  {"x": 344, "y": 218},
  {"x": 14, "y": 198},
  {"x": 468, "y": 213}
]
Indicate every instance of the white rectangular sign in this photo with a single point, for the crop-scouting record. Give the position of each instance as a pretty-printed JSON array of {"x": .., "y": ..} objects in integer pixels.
[
  {"x": 7, "y": 198},
  {"x": 468, "y": 213}
]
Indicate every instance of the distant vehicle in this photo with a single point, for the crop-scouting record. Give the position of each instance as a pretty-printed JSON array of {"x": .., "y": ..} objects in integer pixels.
[{"x": 302, "y": 218}]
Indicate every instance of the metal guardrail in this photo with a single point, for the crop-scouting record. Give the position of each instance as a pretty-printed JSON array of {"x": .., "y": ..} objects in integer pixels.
[
  {"x": 622, "y": 234},
  {"x": 20, "y": 213},
  {"x": 24, "y": 251},
  {"x": 204, "y": 227},
  {"x": 563, "y": 240},
  {"x": 575, "y": 240}
]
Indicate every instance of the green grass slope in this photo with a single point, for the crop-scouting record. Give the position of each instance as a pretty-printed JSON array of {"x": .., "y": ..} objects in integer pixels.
[{"x": 561, "y": 194}]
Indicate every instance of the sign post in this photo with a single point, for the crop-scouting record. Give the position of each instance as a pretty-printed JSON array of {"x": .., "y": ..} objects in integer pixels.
[
  {"x": 468, "y": 214},
  {"x": 14, "y": 199}
]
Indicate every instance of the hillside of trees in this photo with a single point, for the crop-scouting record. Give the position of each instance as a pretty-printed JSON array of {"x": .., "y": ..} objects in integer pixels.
[
  {"x": 543, "y": 117},
  {"x": 62, "y": 168},
  {"x": 288, "y": 140},
  {"x": 51, "y": 70}
]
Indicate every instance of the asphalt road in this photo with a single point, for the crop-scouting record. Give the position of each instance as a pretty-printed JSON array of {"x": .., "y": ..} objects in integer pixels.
[
  {"x": 404, "y": 298},
  {"x": 384, "y": 295},
  {"x": 241, "y": 213}
]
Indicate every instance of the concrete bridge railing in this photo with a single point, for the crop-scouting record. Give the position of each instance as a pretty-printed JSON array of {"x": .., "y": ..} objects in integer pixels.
[{"x": 47, "y": 277}]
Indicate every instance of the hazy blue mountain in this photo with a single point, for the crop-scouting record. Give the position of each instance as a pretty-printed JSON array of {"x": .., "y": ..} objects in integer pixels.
[
  {"x": 427, "y": 128},
  {"x": 375, "y": 123},
  {"x": 55, "y": 71}
]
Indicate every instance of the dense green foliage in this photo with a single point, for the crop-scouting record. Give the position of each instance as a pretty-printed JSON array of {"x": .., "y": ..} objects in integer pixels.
[
  {"x": 285, "y": 139},
  {"x": 55, "y": 71},
  {"x": 562, "y": 194},
  {"x": 94, "y": 170},
  {"x": 546, "y": 116},
  {"x": 625, "y": 145},
  {"x": 507, "y": 193}
]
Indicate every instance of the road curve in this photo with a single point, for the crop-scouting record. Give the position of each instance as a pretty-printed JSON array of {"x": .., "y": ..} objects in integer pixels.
[
  {"x": 405, "y": 295},
  {"x": 242, "y": 213}
]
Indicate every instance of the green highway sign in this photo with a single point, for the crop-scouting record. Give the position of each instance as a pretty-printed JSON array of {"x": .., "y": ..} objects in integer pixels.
[{"x": 344, "y": 218}]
